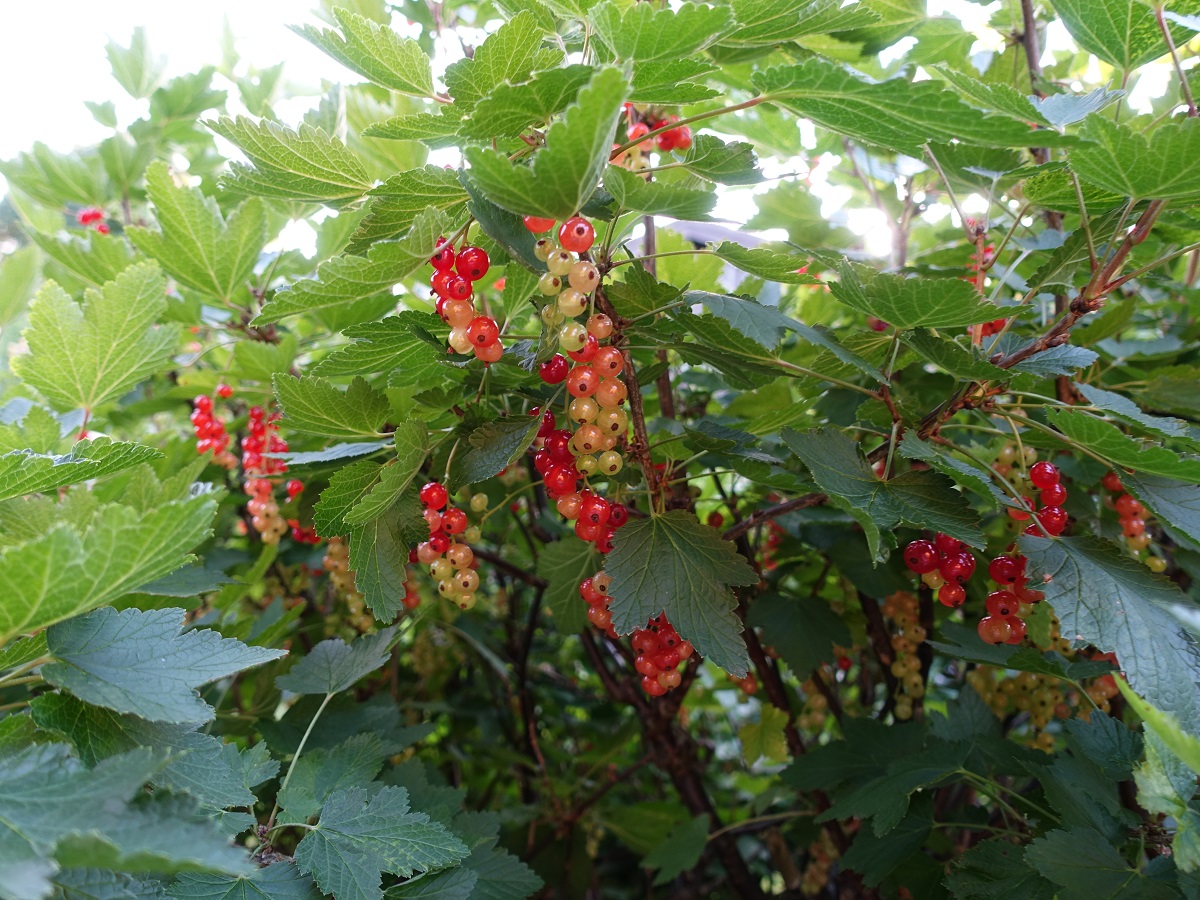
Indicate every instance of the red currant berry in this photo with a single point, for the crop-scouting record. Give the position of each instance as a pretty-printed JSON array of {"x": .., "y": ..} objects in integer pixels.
[
  {"x": 1053, "y": 519},
  {"x": 224, "y": 391},
  {"x": 454, "y": 521},
  {"x": 439, "y": 542},
  {"x": 921, "y": 557},
  {"x": 994, "y": 630},
  {"x": 715, "y": 520},
  {"x": 582, "y": 382},
  {"x": 443, "y": 259},
  {"x": 203, "y": 403},
  {"x": 595, "y": 510},
  {"x": 637, "y": 131},
  {"x": 1016, "y": 627},
  {"x": 618, "y": 515},
  {"x": 1004, "y": 570},
  {"x": 587, "y": 531},
  {"x": 295, "y": 487},
  {"x": 434, "y": 496},
  {"x": 472, "y": 263},
  {"x": 538, "y": 225},
  {"x": 547, "y": 427},
  {"x": 1112, "y": 482},
  {"x": 957, "y": 567},
  {"x": 458, "y": 288},
  {"x": 951, "y": 595},
  {"x": 542, "y": 461},
  {"x": 1133, "y": 527},
  {"x": 483, "y": 332},
  {"x": 558, "y": 444},
  {"x": 1055, "y": 495},
  {"x": 1002, "y": 603},
  {"x": 576, "y": 235},
  {"x": 683, "y": 137},
  {"x": 947, "y": 545},
  {"x": 555, "y": 369},
  {"x": 1128, "y": 507},
  {"x": 440, "y": 283},
  {"x": 1043, "y": 474},
  {"x": 604, "y": 541},
  {"x": 1021, "y": 514},
  {"x": 652, "y": 686},
  {"x": 587, "y": 352},
  {"x": 560, "y": 480}
]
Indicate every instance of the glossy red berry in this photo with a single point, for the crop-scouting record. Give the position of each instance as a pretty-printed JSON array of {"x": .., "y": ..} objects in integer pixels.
[
  {"x": 203, "y": 403},
  {"x": 1044, "y": 474},
  {"x": 538, "y": 225},
  {"x": 957, "y": 567},
  {"x": 1016, "y": 628},
  {"x": 1133, "y": 527},
  {"x": 1054, "y": 495},
  {"x": 542, "y": 461},
  {"x": 1002, "y": 603},
  {"x": 1053, "y": 519},
  {"x": 582, "y": 382},
  {"x": 295, "y": 487},
  {"x": 576, "y": 234},
  {"x": 951, "y": 595},
  {"x": 587, "y": 352},
  {"x": 458, "y": 288},
  {"x": 443, "y": 260},
  {"x": 1004, "y": 570},
  {"x": 921, "y": 557},
  {"x": 555, "y": 369},
  {"x": 224, "y": 391},
  {"x": 1128, "y": 507},
  {"x": 483, "y": 332},
  {"x": 440, "y": 283},
  {"x": 89, "y": 215},
  {"x": 1112, "y": 482},
  {"x": 595, "y": 510},
  {"x": 560, "y": 480},
  {"x": 994, "y": 629},
  {"x": 946, "y": 544},
  {"x": 472, "y": 263},
  {"x": 433, "y": 496},
  {"x": 439, "y": 542},
  {"x": 548, "y": 424}
]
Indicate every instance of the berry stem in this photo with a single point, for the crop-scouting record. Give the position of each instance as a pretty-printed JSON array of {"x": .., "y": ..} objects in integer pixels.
[{"x": 296, "y": 756}]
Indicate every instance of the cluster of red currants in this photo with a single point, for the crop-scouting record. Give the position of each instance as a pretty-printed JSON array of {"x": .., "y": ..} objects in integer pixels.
[
  {"x": 677, "y": 138},
  {"x": 945, "y": 564},
  {"x": 594, "y": 591},
  {"x": 1132, "y": 515},
  {"x": 598, "y": 393},
  {"x": 1051, "y": 494},
  {"x": 451, "y": 563},
  {"x": 1008, "y": 606},
  {"x": 453, "y": 278},
  {"x": 569, "y": 279},
  {"x": 301, "y": 534},
  {"x": 659, "y": 650},
  {"x": 92, "y": 217},
  {"x": 258, "y": 465},
  {"x": 211, "y": 436}
]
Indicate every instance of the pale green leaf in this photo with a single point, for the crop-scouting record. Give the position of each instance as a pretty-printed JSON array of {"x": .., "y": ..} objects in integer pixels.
[
  {"x": 375, "y": 52},
  {"x": 1104, "y": 598},
  {"x": 397, "y": 202},
  {"x": 725, "y": 163},
  {"x": 509, "y": 55},
  {"x": 917, "y": 302},
  {"x": 312, "y": 405},
  {"x": 62, "y": 573},
  {"x": 196, "y": 245},
  {"x": 345, "y": 279},
  {"x": 993, "y": 96},
  {"x": 512, "y": 108},
  {"x": 83, "y": 356},
  {"x": 1129, "y": 411},
  {"x": 134, "y": 67},
  {"x": 1108, "y": 441},
  {"x": 1123, "y": 33},
  {"x": 307, "y": 164},
  {"x": 347, "y": 487},
  {"x": 333, "y": 665},
  {"x": 764, "y": 739},
  {"x": 673, "y": 564},
  {"x": 671, "y": 81},
  {"x": 360, "y": 837},
  {"x": 107, "y": 658},
  {"x": 774, "y": 263},
  {"x": 24, "y": 472},
  {"x": 1067, "y": 109},
  {"x": 91, "y": 259},
  {"x": 1183, "y": 744},
  {"x": 430, "y": 129},
  {"x": 1125, "y": 160},
  {"x": 641, "y": 32},
  {"x": 18, "y": 275},
  {"x": 655, "y": 198},
  {"x": 564, "y": 174},
  {"x": 761, "y": 23},
  {"x": 318, "y": 773}
]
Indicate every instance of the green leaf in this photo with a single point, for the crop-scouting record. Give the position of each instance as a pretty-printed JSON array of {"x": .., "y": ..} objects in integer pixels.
[
  {"x": 375, "y": 52},
  {"x": 1166, "y": 785},
  {"x": 802, "y": 630},
  {"x": 1131, "y": 163},
  {"x": 134, "y": 67},
  {"x": 761, "y": 23},
  {"x": 670, "y": 81},
  {"x": 93, "y": 260},
  {"x": 312, "y": 405},
  {"x": 348, "y": 486},
  {"x": 199, "y": 764},
  {"x": 196, "y": 245},
  {"x": 392, "y": 345},
  {"x": 449, "y": 884},
  {"x": 62, "y": 573},
  {"x": 923, "y": 499},
  {"x": 1184, "y": 745},
  {"x": 564, "y": 174},
  {"x": 765, "y": 325},
  {"x": 782, "y": 265},
  {"x": 1067, "y": 109},
  {"x": 306, "y": 165},
  {"x": 23, "y": 472},
  {"x": 435, "y": 131},
  {"x": 951, "y": 356},
  {"x": 1108, "y": 441},
  {"x": 995, "y": 869},
  {"x": 19, "y": 273},
  {"x": 379, "y": 552},
  {"x": 655, "y": 198},
  {"x": 345, "y": 279},
  {"x": 495, "y": 446},
  {"x": 102, "y": 884},
  {"x": 725, "y": 163},
  {"x": 764, "y": 739},
  {"x": 1174, "y": 502},
  {"x": 504, "y": 227},
  {"x": 334, "y": 665},
  {"x": 564, "y": 564},
  {"x": 1123, "y": 33},
  {"x": 412, "y": 446},
  {"x": 897, "y": 114},
  {"x": 1126, "y": 409},
  {"x": 107, "y": 658},
  {"x": 396, "y": 203},
  {"x": 1103, "y": 597},
  {"x": 509, "y": 55},
  {"x": 1065, "y": 359},
  {"x": 642, "y": 32},
  {"x": 913, "y": 302},
  {"x": 876, "y": 857},
  {"x": 510, "y": 109},
  {"x": 278, "y": 881},
  {"x": 83, "y": 356},
  {"x": 994, "y": 96},
  {"x": 318, "y": 773},
  {"x": 680, "y": 851},
  {"x": 358, "y": 839},
  {"x": 673, "y": 564},
  {"x": 1084, "y": 864},
  {"x": 977, "y": 479}
]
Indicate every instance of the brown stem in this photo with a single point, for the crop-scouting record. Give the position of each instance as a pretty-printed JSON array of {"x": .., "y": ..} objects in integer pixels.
[
  {"x": 762, "y": 515},
  {"x": 881, "y": 641}
]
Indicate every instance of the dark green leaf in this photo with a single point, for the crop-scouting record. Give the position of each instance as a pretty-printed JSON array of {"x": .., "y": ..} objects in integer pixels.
[
  {"x": 509, "y": 55},
  {"x": 379, "y": 552},
  {"x": 802, "y": 630},
  {"x": 1111, "y": 443},
  {"x": 680, "y": 850},
  {"x": 334, "y": 665},
  {"x": 397, "y": 202},
  {"x": 564, "y": 564},
  {"x": 495, "y": 446},
  {"x": 1085, "y": 865},
  {"x": 278, "y": 881},
  {"x": 512, "y": 108}
]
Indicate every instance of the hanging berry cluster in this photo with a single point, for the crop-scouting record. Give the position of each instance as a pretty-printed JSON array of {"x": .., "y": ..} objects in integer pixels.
[
  {"x": 451, "y": 563},
  {"x": 945, "y": 564},
  {"x": 211, "y": 436},
  {"x": 903, "y": 609},
  {"x": 302, "y": 534},
  {"x": 258, "y": 465},
  {"x": 659, "y": 650},
  {"x": 92, "y": 217},
  {"x": 1040, "y": 697},
  {"x": 1132, "y": 516},
  {"x": 1008, "y": 606},
  {"x": 594, "y": 591},
  {"x": 454, "y": 275},
  {"x": 1046, "y": 478},
  {"x": 676, "y": 138}
]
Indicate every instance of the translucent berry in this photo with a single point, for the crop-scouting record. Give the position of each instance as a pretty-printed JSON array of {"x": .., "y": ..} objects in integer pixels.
[
  {"x": 921, "y": 557},
  {"x": 472, "y": 263},
  {"x": 1044, "y": 474},
  {"x": 576, "y": 234},
  {"x": 538, "y": 225},
  {"x": 483, "y": 331},
  {"x": 443, "y": 260},
  {"x": 951, "y": 594},
  {"x": 599, "y": 325},
  {"x": 554, "y": 370},
  {"x": 994, "y": 629},
  {"x": 224, "y": 391},
  {"x": 434, "y": 496}
]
